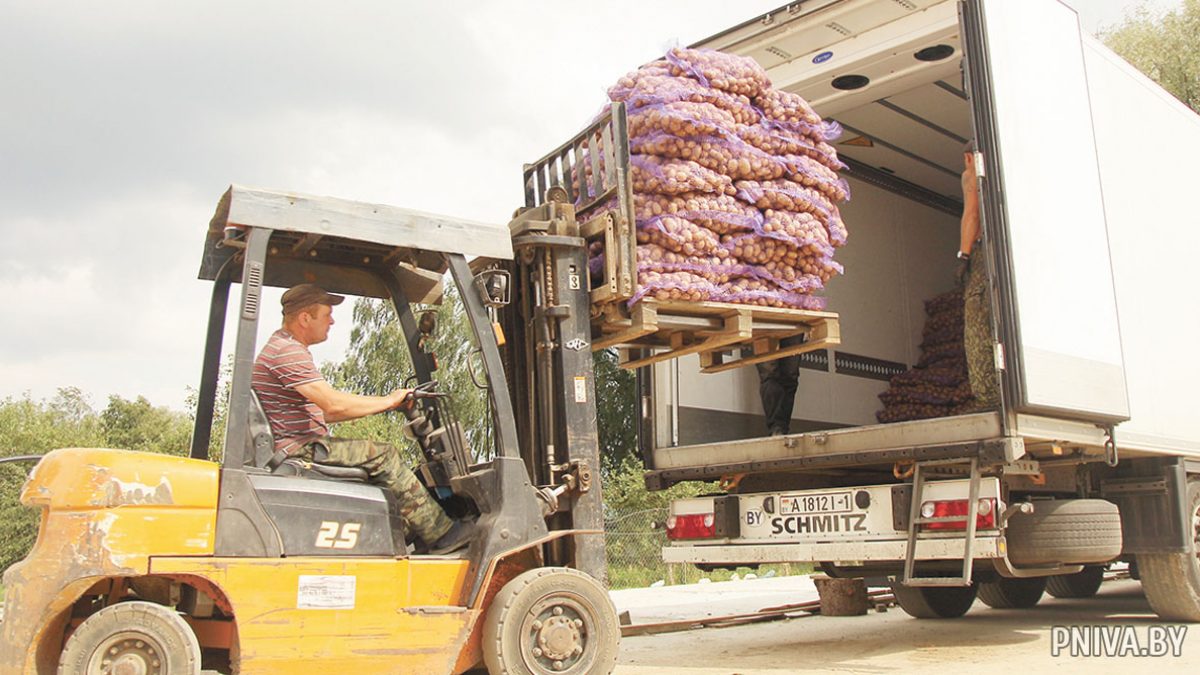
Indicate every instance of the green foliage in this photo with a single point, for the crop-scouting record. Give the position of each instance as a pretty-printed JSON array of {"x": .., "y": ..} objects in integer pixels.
[
  {"x": 1163, "y": 47},
  {"x": 29, "y": 427},
  {"x": 616, "y": 412},
  {"x": 216, "y": 439},
  {"x": 138, "y": 425}
]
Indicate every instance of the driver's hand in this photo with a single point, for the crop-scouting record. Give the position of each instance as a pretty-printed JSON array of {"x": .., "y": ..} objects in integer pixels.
[{"x": 401, "y": 398}]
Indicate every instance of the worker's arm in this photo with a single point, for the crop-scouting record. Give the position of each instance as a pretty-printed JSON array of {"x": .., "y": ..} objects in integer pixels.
[
  {"x": 969, "y": 228},
  {"x": 341, "y": 406}
]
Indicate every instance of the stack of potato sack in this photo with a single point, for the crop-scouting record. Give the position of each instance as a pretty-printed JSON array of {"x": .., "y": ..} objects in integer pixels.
[
  {"x": 735, "y": 184},
  {"x": 938, "y": 385}
]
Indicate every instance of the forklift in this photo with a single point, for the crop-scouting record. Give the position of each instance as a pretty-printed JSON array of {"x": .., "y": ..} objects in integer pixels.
[{"x": 148, "y": 563}]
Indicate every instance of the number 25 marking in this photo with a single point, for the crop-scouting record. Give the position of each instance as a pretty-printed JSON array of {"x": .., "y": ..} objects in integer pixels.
[{"x": 329, "y": 536}]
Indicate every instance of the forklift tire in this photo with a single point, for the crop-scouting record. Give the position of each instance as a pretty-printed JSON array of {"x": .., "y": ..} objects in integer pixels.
[
  {"x": 1082, "y": 584},
  {"x": 1171, "y": 581},
  {"x": 935, "y": 602},
  {"x": 551, "y": 620},
  {"x": 136, "y": 635},
  {"x": 1005, "y": 593}
]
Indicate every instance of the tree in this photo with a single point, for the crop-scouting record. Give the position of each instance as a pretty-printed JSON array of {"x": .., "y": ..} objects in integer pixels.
[
  {"x": 138, "y": 425},
  {"x": 1163, "y": 47},
  {"x": 616, "y": 412}
]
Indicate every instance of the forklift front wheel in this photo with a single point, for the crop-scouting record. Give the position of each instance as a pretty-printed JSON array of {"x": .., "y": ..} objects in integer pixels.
[
  {"x": 133, "y": 637},
  {"x": 551, "y": 621}
]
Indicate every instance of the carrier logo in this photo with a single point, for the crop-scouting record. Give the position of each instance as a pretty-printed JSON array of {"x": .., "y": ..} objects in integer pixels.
[
  {"x": 336, "y": 535},
  {"x": 834, "y": 522}
]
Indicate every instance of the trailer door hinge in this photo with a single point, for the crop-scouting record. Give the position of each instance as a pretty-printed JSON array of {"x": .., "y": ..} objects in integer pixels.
[
  {"x": 980, "y": 172},
  {"x": 998, "y": 353}
]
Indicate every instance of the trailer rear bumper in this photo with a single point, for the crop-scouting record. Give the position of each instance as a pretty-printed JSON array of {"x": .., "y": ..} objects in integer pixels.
[{"x": 836, "y": 552}]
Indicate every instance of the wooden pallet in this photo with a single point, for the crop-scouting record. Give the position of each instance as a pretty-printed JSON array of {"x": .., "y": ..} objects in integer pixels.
[{"x": 726, "y": 336}]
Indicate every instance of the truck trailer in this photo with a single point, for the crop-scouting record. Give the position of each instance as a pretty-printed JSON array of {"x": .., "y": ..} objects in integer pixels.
[{"x": 1094, "y": 453}]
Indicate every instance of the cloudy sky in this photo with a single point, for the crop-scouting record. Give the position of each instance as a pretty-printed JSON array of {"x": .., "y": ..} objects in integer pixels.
[{"x": 123, "y": 122}]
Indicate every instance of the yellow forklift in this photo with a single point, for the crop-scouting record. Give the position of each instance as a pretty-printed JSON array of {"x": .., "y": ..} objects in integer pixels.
[{"x": 147, "y": 564}]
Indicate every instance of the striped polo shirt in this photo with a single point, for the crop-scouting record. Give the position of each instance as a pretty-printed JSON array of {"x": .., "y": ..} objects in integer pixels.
[{"x": 283, "y": 364}]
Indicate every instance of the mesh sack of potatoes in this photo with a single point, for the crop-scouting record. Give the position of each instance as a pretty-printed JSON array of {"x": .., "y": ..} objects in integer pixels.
[
  {"x": 720, "y": 213},
  {"x": 777, "y": 141},
  {"x": 789, "y": 111},
  {"x": 655, "y": 86},
  {"x": 788, "y": 195},
  {"x": 673, "y": 286},
  {"x": 682, "y": 118},
  {"x": 712, "y": 268},
  {"x": 727, "y": 72},
  {"x": 723, "y": 153},
  {"x": 812, "y": 174},
  {"x": 804, "y": 231},
  {"x": 746, "y": 291},
  {"x": 680, "y": 235},
  {"x": 660, "y": 175},
  {"x": 759, "y": 250}
]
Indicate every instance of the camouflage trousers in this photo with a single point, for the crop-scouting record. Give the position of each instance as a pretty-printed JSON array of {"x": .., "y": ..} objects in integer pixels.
[
  {"x": 422, "y": 515},
  {"x": 978, "y": 339}
]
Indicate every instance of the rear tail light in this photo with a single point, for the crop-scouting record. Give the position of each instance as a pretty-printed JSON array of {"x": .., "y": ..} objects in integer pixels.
[
  {"x": 985, "y": 518},
  {"x": 691, "y": 526}
]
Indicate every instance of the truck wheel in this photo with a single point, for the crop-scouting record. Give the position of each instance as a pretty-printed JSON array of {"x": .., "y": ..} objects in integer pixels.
[
  {"x": 1065, "y": 531},
  {"x": 1171, "y": 581},
  {"x": 934, "y": 602},
  {"x": 132, "y": 637},
  {"x": 551, "y": 621},
  {"x": 1082, "y": 584},
  {"x": 1005, "y": 593}
]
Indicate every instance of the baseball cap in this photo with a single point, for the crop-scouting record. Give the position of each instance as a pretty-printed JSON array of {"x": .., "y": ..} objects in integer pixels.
[{"x": 305, "y": 295}]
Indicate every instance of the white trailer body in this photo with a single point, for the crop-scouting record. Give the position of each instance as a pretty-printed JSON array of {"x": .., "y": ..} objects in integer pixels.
[{"x": 1088, "y": 229}]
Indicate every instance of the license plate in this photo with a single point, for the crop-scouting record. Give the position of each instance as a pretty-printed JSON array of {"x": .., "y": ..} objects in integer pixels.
[{"x": 821, "y": 502}]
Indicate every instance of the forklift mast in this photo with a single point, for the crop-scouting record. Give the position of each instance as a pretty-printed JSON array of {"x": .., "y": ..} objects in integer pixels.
[{"x": 548, "y": 347}]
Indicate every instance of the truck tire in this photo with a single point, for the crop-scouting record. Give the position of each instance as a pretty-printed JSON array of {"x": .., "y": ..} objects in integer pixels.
[
  {"x": 1065, "y": 532},
  {"x": 140, "y": 636},
  {"x": 551, "y": 620},
  {"x": 1005, "y": 593},
  {"x": 1171, "y": 581},
  {"x": 1082, "y": 584},
  {"x": 934, "y": 602}
]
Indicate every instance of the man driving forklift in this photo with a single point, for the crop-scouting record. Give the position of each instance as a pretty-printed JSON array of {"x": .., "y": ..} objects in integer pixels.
[{"x": 300, "y": 404}]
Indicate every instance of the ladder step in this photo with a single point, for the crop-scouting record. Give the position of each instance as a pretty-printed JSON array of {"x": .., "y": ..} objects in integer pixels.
[{"x": 937, "y": 581}]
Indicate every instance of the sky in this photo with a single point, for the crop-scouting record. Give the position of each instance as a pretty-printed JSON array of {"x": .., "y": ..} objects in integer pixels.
[{"x": 123, "y": 123}]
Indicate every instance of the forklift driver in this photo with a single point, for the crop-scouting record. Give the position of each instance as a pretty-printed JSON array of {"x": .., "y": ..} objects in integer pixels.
[{"x": 300, "y": 404}]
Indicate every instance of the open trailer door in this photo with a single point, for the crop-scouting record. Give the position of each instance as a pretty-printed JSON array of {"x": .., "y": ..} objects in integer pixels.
[{"x": 1043, "y": 212}]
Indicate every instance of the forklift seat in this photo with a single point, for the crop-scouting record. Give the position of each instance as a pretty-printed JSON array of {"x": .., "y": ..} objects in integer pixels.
[{"x": 264, "y": 455}]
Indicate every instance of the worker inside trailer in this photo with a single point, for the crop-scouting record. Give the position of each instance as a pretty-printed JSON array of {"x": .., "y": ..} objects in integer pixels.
[
  {"x": 300, "y": 405},
  {"x": 977, "y": 303}
]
